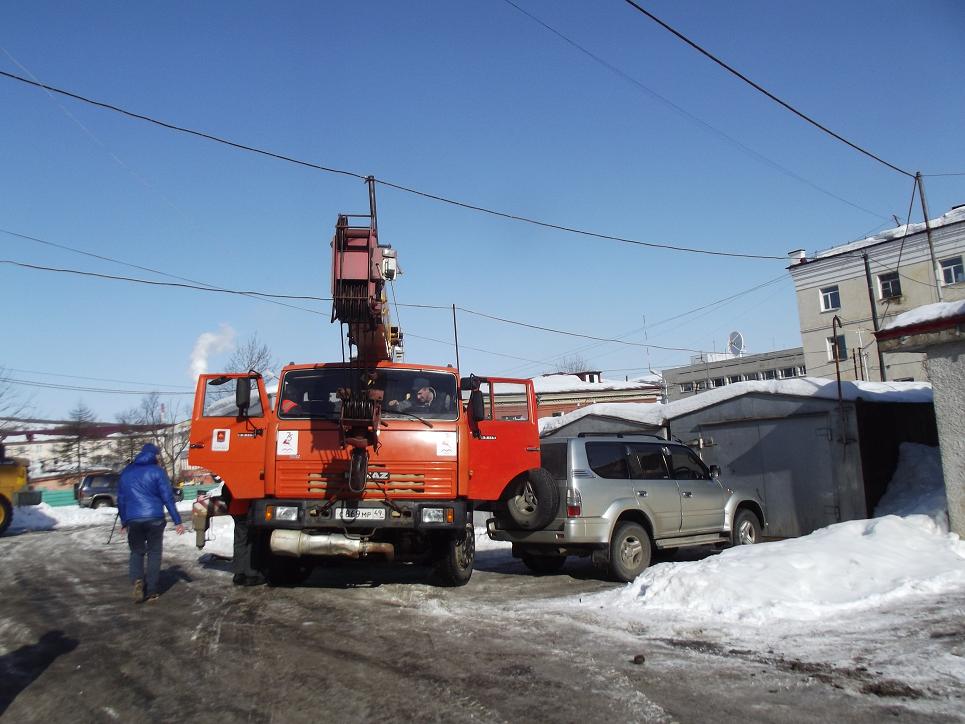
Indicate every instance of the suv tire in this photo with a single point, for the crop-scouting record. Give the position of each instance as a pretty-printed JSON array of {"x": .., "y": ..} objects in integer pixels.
[
  {"x": 532, "y": 500},
  {"x": 102, "y": 503},
  {"x": 541, "y": 565},
  {"x": 747, "y": 528},
  {"x": 630, "y": 551}
]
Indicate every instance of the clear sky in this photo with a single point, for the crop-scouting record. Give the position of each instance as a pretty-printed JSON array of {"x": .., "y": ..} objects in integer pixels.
[{"x": 474, "y": 101}]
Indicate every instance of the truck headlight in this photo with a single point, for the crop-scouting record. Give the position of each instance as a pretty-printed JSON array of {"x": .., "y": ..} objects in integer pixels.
[
  {"x": 282, "y": 512},
  {"x": 437, "y": 515}
]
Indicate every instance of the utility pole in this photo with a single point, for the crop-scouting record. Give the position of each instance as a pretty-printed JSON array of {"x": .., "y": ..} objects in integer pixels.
[
  {"x": 874, "y": 313},
  {"x": 931, "y": 247}
]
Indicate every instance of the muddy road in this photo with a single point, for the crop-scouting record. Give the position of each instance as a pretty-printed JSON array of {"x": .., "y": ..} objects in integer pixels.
[{"x": 371, "y": 642}]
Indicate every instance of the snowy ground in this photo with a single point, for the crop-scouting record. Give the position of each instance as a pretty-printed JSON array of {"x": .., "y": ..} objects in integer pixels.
[{"x": 880, "y": 600}]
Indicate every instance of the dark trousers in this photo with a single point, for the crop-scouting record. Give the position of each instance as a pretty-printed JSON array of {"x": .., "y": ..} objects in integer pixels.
[
  {"x": 145, "y": 537},
  {"x": 242, "y": 560}
]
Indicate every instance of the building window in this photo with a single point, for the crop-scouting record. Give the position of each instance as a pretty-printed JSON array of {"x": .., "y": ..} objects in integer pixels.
[
  {"x": 751, "y": 376},
  {"x": 700, "y": 386},
  {"x": 733, "y": 379},
  {"x": 830, "y": 298},
  {"x": 837, "y": 350},
  {"x": 802, "y": 371},
  {"x": 953, "y": 271},
  {"x": 769, "y": 374},
  {"x": 788, "y": 372},
  {"x": 890, "y": 285},
  {"x": 687, "y": 387},
  {"x": 718, "y": 382},
  {"x": 558, "y": 413}
]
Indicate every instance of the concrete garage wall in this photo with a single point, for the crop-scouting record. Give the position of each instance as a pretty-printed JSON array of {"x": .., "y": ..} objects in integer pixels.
[{"x": 946, "y": 370}]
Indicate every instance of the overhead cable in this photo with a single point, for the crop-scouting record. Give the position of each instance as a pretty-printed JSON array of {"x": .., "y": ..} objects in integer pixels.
[
  {"x": 766, "y": 92},
  {"x": 383, "y": 182},
  {"x": 686, "y": 114}
]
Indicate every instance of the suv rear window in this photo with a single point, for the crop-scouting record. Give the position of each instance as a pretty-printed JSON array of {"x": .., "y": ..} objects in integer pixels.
[
  {"x": 553, "y": 459},
  {"x": 608, "y": 459}
]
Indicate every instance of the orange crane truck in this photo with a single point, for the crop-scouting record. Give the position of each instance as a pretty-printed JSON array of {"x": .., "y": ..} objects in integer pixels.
[{"x": 369, "y": 456}]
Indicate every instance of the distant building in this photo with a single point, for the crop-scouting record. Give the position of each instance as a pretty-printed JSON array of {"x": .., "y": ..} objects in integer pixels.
[
  {"x": 558, "y": 394},
  {"x": 880, "y": 276},
  {"x": 709, "y": 371}
]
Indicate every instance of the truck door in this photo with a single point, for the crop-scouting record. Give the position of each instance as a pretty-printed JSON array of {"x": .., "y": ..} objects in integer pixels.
[
  {"x": 504, "y": 442},
  {"x": 226, "y": 440}
]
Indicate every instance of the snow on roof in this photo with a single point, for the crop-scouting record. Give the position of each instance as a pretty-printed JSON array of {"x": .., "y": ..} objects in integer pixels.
[
  {"x": 572, "y": 383},
  {"x": 656, "y": 414},
  {"x": 949, "y": 217},
  {"x": 927, "y": 313}
]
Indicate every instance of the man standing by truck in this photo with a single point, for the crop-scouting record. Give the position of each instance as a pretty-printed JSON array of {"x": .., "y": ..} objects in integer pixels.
[{"x": 143, "y": 493}]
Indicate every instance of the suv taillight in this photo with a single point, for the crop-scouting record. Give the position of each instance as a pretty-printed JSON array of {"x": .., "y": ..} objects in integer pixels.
[{"x": 574, "y": 503}]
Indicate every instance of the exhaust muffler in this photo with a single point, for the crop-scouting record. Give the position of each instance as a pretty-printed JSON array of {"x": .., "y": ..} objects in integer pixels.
[
  {"x": 296, "y": 543},
  {"x": 202, "y": 510}
]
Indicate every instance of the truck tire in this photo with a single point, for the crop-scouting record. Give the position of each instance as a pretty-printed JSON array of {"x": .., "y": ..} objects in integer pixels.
[
  {"x": 542, "y": 565},
  {"x": 630, "y": 552},
  {"x": 6, "y": 514},
  {"x": 456, "y": 555},
  {"x": 532, "y": 500},
  {"x": 747, "y": 528}
]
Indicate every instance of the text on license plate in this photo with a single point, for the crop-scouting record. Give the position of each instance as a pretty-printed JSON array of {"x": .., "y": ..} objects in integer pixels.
[{"x": 360, "y": 513}]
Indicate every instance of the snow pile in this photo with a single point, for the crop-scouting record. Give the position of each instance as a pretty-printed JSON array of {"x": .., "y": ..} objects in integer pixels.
[
  {"x": 845, "y": 567},
  {"x": 572, "y": 383},
  {"x": 917, "y": 487},
  {"x": 47, "y": 517},
  {"x": 927, "y": 313},
  {"x": 949, "y": 217}
]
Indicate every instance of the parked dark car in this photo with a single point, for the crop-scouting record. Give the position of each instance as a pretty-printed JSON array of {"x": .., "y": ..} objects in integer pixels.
[{"x": 100, "y": 490}]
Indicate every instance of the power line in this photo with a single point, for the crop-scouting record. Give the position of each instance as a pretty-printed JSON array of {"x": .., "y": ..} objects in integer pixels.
[
  {"x": 763, "y": 90},
  {"x": 686, "y": 114},
  {"x": 383, "y": 182},
  {"x": 77, "y": 388},
  {"x": 96, "y": 379}
]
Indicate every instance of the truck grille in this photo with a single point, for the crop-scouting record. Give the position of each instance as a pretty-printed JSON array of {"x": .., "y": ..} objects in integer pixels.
[{"x": 404, "y": 480}]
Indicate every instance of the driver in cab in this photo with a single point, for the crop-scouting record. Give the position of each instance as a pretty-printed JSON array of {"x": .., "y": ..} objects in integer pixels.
[{"x": 423, "y": 399}]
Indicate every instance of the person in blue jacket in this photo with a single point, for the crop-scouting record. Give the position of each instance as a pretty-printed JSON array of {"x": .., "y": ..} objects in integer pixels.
[{"x": 144, "y": 491}]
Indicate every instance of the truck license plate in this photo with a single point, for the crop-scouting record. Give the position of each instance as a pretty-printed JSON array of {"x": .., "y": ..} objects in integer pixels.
[{"x": 360, "y": 513}]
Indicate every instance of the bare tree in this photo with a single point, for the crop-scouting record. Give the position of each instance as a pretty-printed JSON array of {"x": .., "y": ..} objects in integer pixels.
[
  {"x": 571, "y": 363},
  {"x": 252, "y": 354},
  {"x": 78, "y": 434},
  {"x": 13, "y": 404},
  {"x": 169, "y": 438}
]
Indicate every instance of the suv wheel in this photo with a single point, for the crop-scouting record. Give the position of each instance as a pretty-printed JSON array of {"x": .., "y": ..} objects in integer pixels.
[
  {"x": 532, "y": 500},
  {"x": 543, "y": 564},
  {"x": 630, "y": 551},
  {"x": 747, "y": 528},
  {"x": 101, "y": 503}
]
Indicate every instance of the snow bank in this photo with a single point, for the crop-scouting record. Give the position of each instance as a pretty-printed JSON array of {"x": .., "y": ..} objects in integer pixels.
[
  {"x": 949, "y": 217},
  {"x": 917, "y": 487},
  {"x": 850, "y": 566}
]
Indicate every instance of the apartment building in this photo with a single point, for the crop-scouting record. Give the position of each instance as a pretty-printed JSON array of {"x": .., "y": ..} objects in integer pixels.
[
  {"x": 845, "y": 293},
  {"x": 709, "y": 370}
]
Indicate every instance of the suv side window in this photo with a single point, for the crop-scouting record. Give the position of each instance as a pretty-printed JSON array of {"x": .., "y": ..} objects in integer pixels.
[
  {"x": 608, "y": 459},
  {"x": 553, "y": 459},
  {"x": 102, "y": 482},
  {"x": 647, "y": 461},
  {"x": 686, "y": 466}
]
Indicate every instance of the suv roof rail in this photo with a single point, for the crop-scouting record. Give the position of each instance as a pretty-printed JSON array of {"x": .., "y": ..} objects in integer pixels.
[{"x": 622, "y": 434}]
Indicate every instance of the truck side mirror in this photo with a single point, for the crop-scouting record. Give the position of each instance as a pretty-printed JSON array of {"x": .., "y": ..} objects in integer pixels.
[
  {"x": 243, "y": 395},
  {"x": 477, "y": 407}
]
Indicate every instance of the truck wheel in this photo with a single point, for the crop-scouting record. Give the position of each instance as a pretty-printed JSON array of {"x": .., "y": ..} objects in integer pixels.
[
  {"x": 455, "y": 561},
  {"x": 6, "y": 514},
  {"x": 541, "y": 565},
  {"x": 747, "y": 528},
  {"x": 532, "y": 500},
  {"x": 629, "y": 552}
]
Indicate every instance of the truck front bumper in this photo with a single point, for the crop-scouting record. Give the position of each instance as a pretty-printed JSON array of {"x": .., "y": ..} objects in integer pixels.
[{"x": 360, "y": 517}]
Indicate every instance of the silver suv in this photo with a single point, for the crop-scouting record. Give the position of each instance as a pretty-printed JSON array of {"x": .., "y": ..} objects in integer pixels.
[{"x": 621, "y": 496}]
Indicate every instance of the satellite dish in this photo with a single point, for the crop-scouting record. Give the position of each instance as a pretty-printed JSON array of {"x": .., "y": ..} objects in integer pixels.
[{"x": 735, "y": 343}]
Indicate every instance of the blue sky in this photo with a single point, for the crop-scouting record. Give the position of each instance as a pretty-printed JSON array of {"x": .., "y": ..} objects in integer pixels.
[{"x": 470, "y": 100}]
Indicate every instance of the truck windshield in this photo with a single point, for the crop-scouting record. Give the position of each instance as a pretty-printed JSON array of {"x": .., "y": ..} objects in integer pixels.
[{"x": 314, "y": 393}]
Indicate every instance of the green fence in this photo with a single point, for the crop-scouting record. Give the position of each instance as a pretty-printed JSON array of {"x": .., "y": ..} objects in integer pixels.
[{"x": 56, "y": 498}]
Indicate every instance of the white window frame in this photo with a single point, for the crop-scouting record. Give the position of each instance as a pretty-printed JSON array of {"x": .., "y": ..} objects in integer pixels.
[
  {"x": 826, "y": 294},
  {"x": 881, "y": 285},
  {"x": 842, "y": 344},
  {"x": 948, "y": 269}
]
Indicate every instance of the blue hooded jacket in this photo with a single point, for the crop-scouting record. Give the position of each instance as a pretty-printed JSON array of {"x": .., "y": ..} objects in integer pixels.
[{"x": 144, "y": 490}]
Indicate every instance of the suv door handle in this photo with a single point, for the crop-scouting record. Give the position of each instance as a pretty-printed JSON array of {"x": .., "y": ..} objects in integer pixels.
[
  {"x": 642, "y": 493},
  {"x": 687, "y": 494}
]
